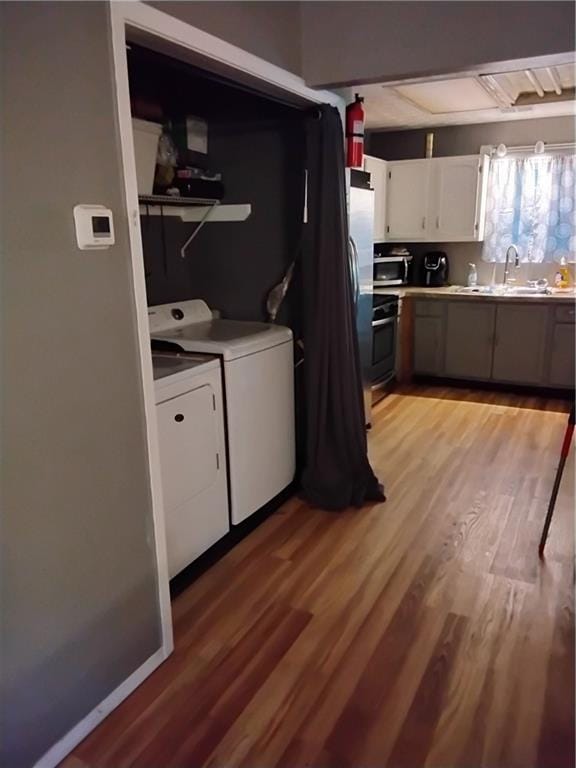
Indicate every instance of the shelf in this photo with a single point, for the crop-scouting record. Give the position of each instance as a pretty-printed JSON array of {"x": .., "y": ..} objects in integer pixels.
[{"x": 193, "y": 209}]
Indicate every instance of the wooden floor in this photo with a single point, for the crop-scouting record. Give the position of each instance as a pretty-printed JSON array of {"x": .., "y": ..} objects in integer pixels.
[{"x": 419, "y": 632}]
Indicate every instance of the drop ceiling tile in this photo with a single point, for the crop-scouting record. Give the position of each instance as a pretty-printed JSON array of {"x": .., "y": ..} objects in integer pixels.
[{"x": 445, "y": 96}]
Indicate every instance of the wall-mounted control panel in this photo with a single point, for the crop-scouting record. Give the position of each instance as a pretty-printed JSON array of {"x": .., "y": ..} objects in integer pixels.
[{"x": 94, "y": 227}]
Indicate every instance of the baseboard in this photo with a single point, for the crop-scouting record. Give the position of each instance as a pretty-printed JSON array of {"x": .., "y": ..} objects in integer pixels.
[
  {"x": 62, "y": 748},
  {"x": 556, "y": 393}
]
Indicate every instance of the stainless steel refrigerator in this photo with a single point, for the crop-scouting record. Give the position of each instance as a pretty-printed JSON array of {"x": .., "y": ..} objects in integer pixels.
[{"x": 361, "y": 251}]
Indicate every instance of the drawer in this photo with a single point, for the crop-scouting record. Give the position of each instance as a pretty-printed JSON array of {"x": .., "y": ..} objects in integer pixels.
[
  {"x": 565, "y": 314},
  {"x": 428, "y": 308}
]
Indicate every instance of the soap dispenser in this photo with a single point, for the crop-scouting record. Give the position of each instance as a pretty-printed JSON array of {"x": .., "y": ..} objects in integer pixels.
[{"x": 472, "y": 276}]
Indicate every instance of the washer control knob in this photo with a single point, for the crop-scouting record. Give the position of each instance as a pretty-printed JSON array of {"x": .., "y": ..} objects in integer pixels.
[{"x": 177, "y": 314}]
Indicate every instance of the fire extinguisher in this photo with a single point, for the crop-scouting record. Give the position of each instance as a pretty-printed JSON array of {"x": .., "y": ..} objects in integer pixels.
[{"x": 355, "y": 133}]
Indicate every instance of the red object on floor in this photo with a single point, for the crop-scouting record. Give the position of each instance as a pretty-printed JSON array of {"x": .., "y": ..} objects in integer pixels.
[{"x": 563, "y": 456}]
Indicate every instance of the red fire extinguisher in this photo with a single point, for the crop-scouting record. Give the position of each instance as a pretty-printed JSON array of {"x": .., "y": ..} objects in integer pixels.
[{"x": 355, "y": 133}]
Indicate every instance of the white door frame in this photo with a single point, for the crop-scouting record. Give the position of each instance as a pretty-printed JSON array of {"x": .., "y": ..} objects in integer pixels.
[{"x": 140, "y": 19}]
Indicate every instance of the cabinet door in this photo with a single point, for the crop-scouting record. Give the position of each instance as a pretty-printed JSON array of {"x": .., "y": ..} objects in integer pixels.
[
  {"x": 562, "y": 362},
  {"x": 376, "y": 167},
  {"x": 428, "y": 345},
  {"x": 469, "y": 335},
  {"x": 519, "y": 343},
  {"x": 407, "y": 199},
  {"x": 456, "y": 210}
]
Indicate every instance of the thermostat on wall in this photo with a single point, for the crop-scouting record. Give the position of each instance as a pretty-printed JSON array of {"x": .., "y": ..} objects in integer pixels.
[{"x": 94, "y": 226}]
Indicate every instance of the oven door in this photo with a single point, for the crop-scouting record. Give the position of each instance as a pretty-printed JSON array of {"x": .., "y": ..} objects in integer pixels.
[{"x": 383, "y": 349}]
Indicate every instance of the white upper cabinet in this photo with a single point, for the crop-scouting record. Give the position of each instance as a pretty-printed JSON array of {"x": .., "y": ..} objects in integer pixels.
[
  {"x": 457, "y": 198},
  {"x": 436, "y": 200},
  {"x": 376, "y": 167},
  {"x": 407, "y": 191}
]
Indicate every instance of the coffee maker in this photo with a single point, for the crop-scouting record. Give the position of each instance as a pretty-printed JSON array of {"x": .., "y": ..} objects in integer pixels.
[{"x": 435, "y": 269}]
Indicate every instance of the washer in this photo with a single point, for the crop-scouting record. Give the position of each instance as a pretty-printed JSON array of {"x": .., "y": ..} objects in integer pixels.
[
  {"x": 190, "y": 417},
  {"x": 259, "y": 395}
]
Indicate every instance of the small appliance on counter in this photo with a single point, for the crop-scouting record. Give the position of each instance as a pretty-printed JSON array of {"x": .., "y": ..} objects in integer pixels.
[
  {"x": 435, "y": 269},
  {"x": 391, "y": 267}
]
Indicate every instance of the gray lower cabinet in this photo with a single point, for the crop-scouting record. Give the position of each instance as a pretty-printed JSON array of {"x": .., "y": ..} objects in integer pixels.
[
  {"x": 562, "y": 356},
  {"x": 469, "y": 339},
  {"x": 516, "y": 343},
  {"x": 520, "y": 343},
  {"x": 428, "y": 345}
]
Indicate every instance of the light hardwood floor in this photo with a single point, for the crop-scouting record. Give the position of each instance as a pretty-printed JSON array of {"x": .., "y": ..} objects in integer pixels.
[{"x": 419, "y": 632}]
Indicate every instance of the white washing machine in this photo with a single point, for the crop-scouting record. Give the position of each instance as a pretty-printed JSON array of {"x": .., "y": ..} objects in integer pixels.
[
  {"x": 190, "y": 416},
  {"x": 259, "y": 395}
]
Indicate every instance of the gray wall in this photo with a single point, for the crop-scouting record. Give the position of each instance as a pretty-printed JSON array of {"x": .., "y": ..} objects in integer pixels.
[
  {"x": 357, "y": 42},
  {"x": 270, "y": 30},
  {"x": 343, "y": 43},
  {"x": 234, "y": 265},
  {"x": 467, "y": 140},
  {"x": 78, "y": 577}
]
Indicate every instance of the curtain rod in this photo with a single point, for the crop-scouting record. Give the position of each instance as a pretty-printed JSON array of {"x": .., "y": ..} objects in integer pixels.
[{"x": 539, "y": 148}]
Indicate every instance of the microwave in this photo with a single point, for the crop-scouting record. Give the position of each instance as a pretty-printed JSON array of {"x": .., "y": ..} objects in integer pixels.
[{"x": 391, "y": 270}]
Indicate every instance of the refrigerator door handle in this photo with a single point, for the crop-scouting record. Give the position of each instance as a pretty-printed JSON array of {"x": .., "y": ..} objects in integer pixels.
[{"x": 354, "y": 269}]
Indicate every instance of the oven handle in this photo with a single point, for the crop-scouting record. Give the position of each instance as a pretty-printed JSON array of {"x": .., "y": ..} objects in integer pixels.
[{"x": 386, "y": 321}]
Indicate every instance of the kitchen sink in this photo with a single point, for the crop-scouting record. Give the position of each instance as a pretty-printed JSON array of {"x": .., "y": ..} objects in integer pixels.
[
  {"x": 527, "y": 290},
  {"x": 479, "y": 289},
  {"x": 509, "y": 290}
]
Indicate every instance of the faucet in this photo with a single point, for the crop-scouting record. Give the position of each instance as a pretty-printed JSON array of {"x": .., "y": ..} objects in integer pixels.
[{"x": 514, "y": 250}]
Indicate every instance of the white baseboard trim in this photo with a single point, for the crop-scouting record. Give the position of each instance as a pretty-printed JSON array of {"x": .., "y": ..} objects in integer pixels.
[{"x": 58, "y": 751}]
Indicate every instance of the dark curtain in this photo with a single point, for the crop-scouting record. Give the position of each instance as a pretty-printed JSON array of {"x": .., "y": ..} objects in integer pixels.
[{"x": 337, "y": 472}]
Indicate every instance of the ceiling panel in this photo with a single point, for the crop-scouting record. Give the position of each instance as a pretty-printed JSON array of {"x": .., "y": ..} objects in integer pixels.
[
  {"x": 509, "y": 95},
  {"x": 444, "y": 96}
]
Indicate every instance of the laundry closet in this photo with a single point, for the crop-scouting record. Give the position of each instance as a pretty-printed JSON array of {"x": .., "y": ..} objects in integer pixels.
[
  {"x": 254, "y": 145},
  {"x": 221, "y": 215}
]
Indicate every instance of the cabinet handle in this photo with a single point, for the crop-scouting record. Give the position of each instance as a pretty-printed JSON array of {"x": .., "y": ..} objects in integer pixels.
[
  {"x": 423, "y": 222},
  {"x": 437, "y": 222},
  {"x": 179, "y": 417}
]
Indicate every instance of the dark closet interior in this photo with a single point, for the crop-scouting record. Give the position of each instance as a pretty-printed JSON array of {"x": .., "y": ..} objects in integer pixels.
[{"x": 257, "y": 144}]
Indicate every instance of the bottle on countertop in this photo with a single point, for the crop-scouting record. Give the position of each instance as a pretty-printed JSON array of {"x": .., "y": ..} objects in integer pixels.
[
  {"x": 472, "y": 276},
  {"x": 562, "y": 279}
]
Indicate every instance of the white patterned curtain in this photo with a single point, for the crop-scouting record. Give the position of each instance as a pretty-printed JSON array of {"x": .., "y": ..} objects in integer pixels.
[{"x": 531, "y": 203}]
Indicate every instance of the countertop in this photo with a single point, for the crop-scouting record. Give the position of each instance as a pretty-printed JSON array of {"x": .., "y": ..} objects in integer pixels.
[{"x": 557, "y": 295}]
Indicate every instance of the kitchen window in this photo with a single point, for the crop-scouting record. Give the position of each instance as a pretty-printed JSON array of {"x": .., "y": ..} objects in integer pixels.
[{"x": 531, "y": 203}]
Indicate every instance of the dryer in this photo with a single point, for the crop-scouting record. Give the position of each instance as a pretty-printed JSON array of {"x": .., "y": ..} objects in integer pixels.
[
  {"x": 190, "y": 419},
  {"x": 258, "y": 373}
]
